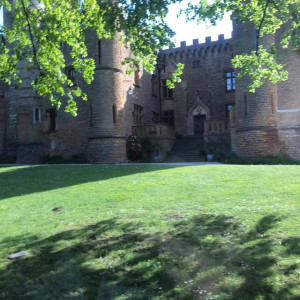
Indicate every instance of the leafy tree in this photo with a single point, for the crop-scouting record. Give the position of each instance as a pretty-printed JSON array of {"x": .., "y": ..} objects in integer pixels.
[
  {"x": 268, "y": 16},
  {"x": 39, "y": 28}
]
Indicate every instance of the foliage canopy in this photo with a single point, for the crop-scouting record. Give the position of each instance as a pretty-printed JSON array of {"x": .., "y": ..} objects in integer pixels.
[{"x": 39, "y": 28}]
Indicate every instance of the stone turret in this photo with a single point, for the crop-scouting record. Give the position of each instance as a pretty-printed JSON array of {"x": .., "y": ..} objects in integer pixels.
[
  {"x": 106, "y": 137},
  {"x": 24, "y": 129},
  {"x": 259, "y": 127}
]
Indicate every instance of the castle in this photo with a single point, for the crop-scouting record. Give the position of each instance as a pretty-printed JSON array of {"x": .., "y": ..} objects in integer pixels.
[{"x": 209, "y": 103}]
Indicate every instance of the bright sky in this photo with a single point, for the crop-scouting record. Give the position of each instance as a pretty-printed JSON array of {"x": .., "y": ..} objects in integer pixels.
[{"x": 191, "y": 30}]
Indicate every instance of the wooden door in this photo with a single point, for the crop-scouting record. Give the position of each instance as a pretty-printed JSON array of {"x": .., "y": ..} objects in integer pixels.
[{"x": 199, "y": 124}]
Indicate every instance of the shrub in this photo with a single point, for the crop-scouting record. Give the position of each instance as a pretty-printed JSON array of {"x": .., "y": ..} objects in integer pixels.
[
  {"x": 8, "y": 159},
  {"x": 133, "y": 148},
  {"x": 267, "y": 160},
  {"x": 55, "y": 159}
]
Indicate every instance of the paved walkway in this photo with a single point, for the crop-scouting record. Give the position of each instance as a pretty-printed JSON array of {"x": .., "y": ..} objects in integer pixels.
[
  {"x": 175, "y": 163},
  {"x": 125, "y": 164}
]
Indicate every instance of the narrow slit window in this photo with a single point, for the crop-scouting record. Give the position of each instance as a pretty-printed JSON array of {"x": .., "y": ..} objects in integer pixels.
[
  {"x": 137, "y": 75},
  {"x": 37, "y": 115},
  {"x": 71, "y": 74},
  {"x": 100, "y": 52},
  {"x": 114, "y": 114},
  {"x": 167, "y": 93},
  {"x": 273, "y": 103},
  {"x": 245, "y": 105},
  {"x": 52, "y": 119}
]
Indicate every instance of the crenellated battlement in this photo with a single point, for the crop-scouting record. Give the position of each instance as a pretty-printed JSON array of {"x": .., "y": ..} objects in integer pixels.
[{"x": 199, "y": 49}]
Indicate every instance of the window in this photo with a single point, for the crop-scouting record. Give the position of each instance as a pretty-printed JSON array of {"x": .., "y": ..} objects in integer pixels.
[
  {"x": 168, "y": 117},
  {"x": 196, "y": 64},
  {"x": 51, "y": 113},
  {"x": 167, "y": 93},
  {"x": 273, "y": 103},
  {"x": 137, "y": 115},
  {"x": 230, "y": 81},
  {"x": 100, "y": 52},
  {"x": 155, "y": 117},
  {"x": 228, "y": 109},
  {"x": 37, "y": 115},
  {"x": 114, "y": 114},
  {"x": 154, "y": 85},
  {"x": 71, "y": 74},
  {"x": 245, "y": 105},
  {"x": 137, "y": 75},
  {"x": 255, "y": 40}
]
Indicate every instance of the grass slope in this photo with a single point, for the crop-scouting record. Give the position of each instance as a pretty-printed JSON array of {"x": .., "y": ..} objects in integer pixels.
[{"x": 150, "y": 232}]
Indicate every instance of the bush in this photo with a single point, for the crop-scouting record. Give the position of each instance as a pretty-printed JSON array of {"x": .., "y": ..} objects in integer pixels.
[
  {"x": 58, "y": 159},
  {"x": 220, "y": 150},
  {"x": 8, "y": 159},
  {"x": 134, "y": 148},
  {"x": 267, "y": 160},
  {"x": 55, "y": 159}
]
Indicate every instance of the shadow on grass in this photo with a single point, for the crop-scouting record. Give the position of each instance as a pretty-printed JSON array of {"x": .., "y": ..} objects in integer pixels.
[
  {"x": 33, "y": 179},
  {"x": 206, "y": 257}
]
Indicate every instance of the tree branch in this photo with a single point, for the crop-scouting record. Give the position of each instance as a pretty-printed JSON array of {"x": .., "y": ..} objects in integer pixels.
[
  {"x": 260, "y": 25},
  {"x": 31, "y": 36}
]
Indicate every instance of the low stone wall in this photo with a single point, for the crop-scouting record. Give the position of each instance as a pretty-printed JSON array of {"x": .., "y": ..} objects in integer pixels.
[
  {"x": 161, "y": 135},
  {"x": 30, "y": 153},
  {"x": 106, "y": 150}
]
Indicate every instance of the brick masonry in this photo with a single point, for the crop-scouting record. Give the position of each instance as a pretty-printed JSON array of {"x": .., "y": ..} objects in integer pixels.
[{"x": 264, "y": 123}]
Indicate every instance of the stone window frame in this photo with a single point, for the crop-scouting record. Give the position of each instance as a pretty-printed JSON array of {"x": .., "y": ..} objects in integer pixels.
[
  {"x": 138, "y": 116},
  {"x": 51, "y": 117},
  {"x": 37, "y": 115},
  {"x": 155, "y": 117},
  {"x": 114, "y": 111},
  {"x": 166, "y": 92},
  {"x": 230, "y": 81},
  {"x": 227, "y": 109},
  {"x": 168, "y": 117},
  {"x": 70, "y": 72},
  {"x": 196, "y": 64},
  {"x": 154, "y": 85},
  {"x": 245, "y": 104},
  {"x": 100, "y": 52},
  {"x": 137, "y": 76}
]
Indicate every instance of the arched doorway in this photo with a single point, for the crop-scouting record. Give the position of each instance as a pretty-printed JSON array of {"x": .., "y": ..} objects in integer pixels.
[{"x": 197, "y": 115}]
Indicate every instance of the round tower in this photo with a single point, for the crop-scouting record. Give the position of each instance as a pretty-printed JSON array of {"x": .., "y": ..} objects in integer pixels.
[
  {"x": 256, "y": 130},
  {"x": 106, "y": 138}
]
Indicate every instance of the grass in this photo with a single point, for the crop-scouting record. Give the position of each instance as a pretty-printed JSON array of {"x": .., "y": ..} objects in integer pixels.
[{"x": 150, "y": 232}]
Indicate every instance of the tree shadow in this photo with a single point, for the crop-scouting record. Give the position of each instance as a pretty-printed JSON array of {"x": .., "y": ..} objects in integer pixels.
[
  {"x": 205, "y": 257},
  {"x": 34, "y": 179}
]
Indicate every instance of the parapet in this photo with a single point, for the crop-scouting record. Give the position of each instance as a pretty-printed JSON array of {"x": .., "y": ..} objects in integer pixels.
[{"x": 209, "y": 45}]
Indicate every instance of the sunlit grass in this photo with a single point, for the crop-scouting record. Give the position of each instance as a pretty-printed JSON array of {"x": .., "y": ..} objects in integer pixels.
[{"x": 150, "y": 232}]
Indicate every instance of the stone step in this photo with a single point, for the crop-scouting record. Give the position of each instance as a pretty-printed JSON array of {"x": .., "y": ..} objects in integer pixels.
[{"x": 186, "y": 149}]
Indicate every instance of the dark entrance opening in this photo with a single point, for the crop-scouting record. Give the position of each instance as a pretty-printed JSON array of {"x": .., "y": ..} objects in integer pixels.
[{"x": 199, "y": 124}]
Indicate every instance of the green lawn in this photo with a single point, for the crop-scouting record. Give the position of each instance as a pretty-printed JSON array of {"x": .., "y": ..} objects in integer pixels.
[{"x": 150, "y": 232}]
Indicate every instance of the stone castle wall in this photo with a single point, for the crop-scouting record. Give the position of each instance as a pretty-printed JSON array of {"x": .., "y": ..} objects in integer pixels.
[
  {"x": 267, "y": 121},
  {"x": 202, "y": 89}
]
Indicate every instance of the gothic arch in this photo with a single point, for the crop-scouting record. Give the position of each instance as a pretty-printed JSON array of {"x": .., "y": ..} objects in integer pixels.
[{"x": 198, "y": 108}]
